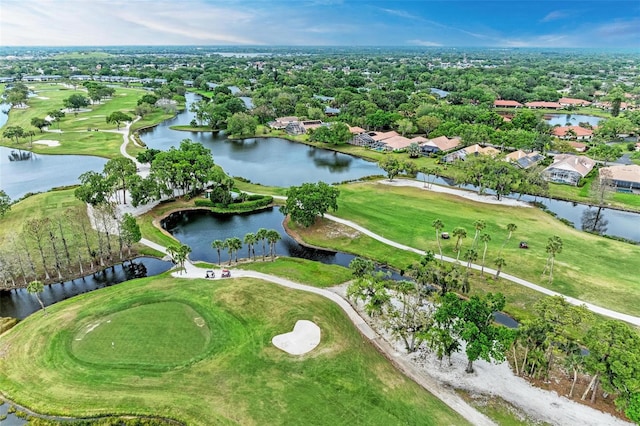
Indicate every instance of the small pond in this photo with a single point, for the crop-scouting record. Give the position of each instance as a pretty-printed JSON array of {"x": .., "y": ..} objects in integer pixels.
[
  {"x": 19, "y": 303},
  {"x": 572, "y": 119}
]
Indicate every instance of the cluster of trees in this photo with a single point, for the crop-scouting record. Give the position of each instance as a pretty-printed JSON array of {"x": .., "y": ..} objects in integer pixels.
[
  {"x": 17, "y": 94},
  {"x": 76, "y": 102},
  {"x": 98, "y": 91},
  {"x": 262, "y": 237},
  {"x": 53, "y": 248},
  {"x": 556, "y": 338},
  {"x": 394, "y": 167},
  {"x": 502, "y": 177},
  {"x": 336, "y": 134},
  {"x": 215, "y": 112},
  {"x": 559, "y": 338},
  {"x": 310, "y": 200},
  {"x": 413, "y": 312},
  {"x": 187, "y": 169}
]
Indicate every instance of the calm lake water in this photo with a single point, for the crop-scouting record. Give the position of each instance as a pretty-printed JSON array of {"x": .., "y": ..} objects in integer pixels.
[
  {"x": 199, "y": 228},
  {"x": 43, "y": 172},
  {"x": 573, "y": 119},
  {"x": 269, "y": 161}
]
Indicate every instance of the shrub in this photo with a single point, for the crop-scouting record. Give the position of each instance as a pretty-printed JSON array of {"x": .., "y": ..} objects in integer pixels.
[{"x": 203, "y": 202}]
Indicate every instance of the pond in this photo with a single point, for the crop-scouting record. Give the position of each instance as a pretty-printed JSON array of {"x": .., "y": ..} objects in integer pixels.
[
  {"x": 19, "y": 303},
  {"x": 573, "y": 119},
  {"x": 620, "y": 223},
  {"x": 43, "y": 172},
  {"x": 199, "y": 228},
  {"x": 269, "y": 161}
]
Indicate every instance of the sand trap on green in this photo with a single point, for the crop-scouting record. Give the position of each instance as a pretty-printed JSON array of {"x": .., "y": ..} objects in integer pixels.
[{"x": 162, "y": 333}]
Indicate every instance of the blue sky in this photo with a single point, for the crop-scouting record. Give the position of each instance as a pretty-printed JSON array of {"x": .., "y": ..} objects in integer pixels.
[{"x": 532, "y": 23}]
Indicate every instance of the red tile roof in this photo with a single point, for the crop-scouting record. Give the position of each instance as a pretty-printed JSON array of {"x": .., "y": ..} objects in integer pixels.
[
  {"x": 573, "y": 101},
  {"x": 543, "y": 104},
  {"x": 506, "y": 103},
  {"x": 579, "y": 131}
]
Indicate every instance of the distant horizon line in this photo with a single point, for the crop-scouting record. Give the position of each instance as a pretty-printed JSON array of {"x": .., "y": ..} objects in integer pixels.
[{"x": 253, "y": 46}]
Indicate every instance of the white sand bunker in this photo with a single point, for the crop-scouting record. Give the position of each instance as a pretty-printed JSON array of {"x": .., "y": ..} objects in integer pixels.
[
  {"x": 47, "y": 142},
  {"x": 304, "y": 338}
]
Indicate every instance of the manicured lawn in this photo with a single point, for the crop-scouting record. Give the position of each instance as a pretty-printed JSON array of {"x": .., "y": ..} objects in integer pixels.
[
  {"x": 302, "y": 270},
  {"x": 591, "y": 268},
  {"x": 52, "y": 204},
  {"x": 239, "y": 377},
  {"x": 156, "y": 334},
  {"x": 75, "y": 138}
]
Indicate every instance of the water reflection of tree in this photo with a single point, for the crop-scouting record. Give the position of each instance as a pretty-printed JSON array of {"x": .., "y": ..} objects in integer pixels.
[
  {"x": 334, "y": 162},
  {"x": 594, "y": 221}
]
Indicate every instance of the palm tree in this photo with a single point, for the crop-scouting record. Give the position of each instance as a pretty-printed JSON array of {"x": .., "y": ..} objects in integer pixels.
[
  {"x": 179, "y": 254},
  {"x": 236, "y": 245},
  {"x": 250, "y": 239},
  {"x": 228, "y": 245},
  {"x": 511, "y": 228},
  {"x": 261, "y": 235},
  {"x": 554, "y": 246},
  {"x": 273, "y": 237},
  {"x": 479, "y": 225},
  {"x": 36, "y": 287},
  {"x": 438, "y": 226},
  {"x": 470, "y": 256},
  {"x": 485, "y": 238},
  {"x": 500, "y": 263},
  {"x": 460, "y": 233},
  {"x": 218, "y": 245}
]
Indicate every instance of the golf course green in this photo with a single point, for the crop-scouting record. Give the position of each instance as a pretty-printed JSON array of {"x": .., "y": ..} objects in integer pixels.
[{"x": 200, "y": 352}]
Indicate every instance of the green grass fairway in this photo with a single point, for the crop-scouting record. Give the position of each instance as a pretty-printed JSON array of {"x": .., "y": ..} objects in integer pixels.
[
  {"x": 157, "y": 334},
  {"x": 590, "y": 268},
  {"x": 164, "y": 364}
]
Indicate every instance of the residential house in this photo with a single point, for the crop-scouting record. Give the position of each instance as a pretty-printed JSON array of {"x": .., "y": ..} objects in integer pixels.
[
  {"x": 625, "y": 178},
  {"x": 579, "y": 146},
  {"x": 573, "y": 102},
  {"x": 439, "y": 144},
  {"x": 568, "y": 168},
  {"x": 524, "y": 160},
  {"x": 473, "y": 150},
  {"x": 503, "y": 103},
  {"x": 572, "y": 132},
  {"x": 281, "y": 122},
  {"x": 543, "y": 104}
]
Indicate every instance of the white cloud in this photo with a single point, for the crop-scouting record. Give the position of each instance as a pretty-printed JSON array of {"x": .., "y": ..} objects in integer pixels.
[
  {"x": 555, "y": 15},
  {"x": 400, "y": 13},
  {"x": 424, "y": 43}
]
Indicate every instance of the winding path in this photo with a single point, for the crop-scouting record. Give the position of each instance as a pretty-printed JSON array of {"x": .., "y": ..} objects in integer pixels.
[
  {"x": 594, "y": 308},
  {"x": 445, "y": 394}
]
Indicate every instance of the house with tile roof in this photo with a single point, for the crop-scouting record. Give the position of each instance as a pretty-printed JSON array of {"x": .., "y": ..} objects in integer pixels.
[
  {"x": 439, "y": 144},
  {"x": 504, "y": 103},
  {"x": 523, "y": 159},
  {"x": 543, "y": 105},
  {"x": 472, "y": 150},
  {"x": 572, "y": 132},
  {"x": 568, "y": 168},
  {"x": 567, "y": 102},
  {"x": 625, "y": 178}
]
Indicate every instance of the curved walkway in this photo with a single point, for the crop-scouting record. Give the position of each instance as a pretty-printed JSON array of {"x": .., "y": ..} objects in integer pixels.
[
  {"x": 594, "y": 308},
  {"x": 445, "y": 394}
]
